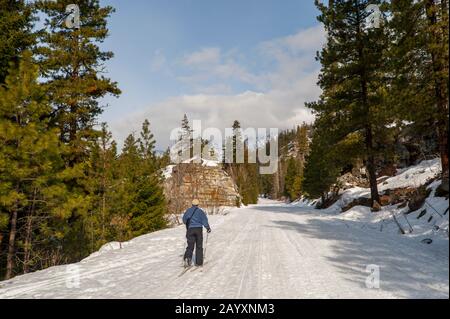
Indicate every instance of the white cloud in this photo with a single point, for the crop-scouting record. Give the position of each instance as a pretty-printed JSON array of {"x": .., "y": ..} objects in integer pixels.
[
  {"x": 277, "y": 99},
  {"x": 305, "y": 41},
  {"x": 258, "y": 110},
  {"x": 204, "y": 57},
  {"x": 209, "y": 67}
]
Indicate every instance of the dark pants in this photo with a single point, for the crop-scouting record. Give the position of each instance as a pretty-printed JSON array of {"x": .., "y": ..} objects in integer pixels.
[{"x": 195, "y": 238}]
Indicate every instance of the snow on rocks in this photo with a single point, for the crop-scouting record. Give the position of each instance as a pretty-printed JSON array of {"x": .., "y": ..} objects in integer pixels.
[
  {"x": 428, "y": 224},
  {"x": 414, "y": 176},
  {"x": 167, "y": 172},
  {"x": 304, "y": 202},
  {"x": 411, "y": 177}
]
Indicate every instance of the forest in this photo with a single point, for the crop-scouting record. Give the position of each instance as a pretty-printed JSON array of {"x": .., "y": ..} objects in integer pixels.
[
  {"x": 384, "y": 101},
  {"x": 67, "y": 188}
]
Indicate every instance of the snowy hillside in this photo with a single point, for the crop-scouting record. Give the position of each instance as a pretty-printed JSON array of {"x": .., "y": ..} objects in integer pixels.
[
  {"x": 414, "y": 177},
  {"x": 428, "y": 223}
]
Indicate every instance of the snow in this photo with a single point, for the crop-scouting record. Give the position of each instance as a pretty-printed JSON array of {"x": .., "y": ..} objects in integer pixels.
[
  {"x": 274, "y": 250},
  {"x": 269, "y": 250},
  {"x": 304, "y": 202},
  {"x": 167, "y": 172},
  {"x": 414, "y": 176},
  {"x": 108, "y": 247},
  {"x": 428, "y": 222},
  {"x": 203, "y": 161},
  {"x": 411, "y": 177}
]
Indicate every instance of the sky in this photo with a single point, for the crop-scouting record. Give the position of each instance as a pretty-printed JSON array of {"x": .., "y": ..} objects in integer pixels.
[{"x": 215, "y": 60}]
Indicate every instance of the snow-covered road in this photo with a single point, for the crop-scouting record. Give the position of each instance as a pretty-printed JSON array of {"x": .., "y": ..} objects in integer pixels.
[{"x": 270, "y": 250}]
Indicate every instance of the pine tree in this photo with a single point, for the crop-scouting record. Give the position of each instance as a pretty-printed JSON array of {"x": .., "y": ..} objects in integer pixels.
[
  {"x": 147, "y": 148},
  {"x": 250, "y": 186},
  {"x": 101, "y": 185},
  {"x": 325, "y": 160},
  {"x": 30, "y": 165},
  {"x": 147, "y": 142},
  {"x": 243, "y": 173},
  {"x": 16, "y": 22},
  {"x": 72, "y": 65},
  {"x": 321, "y": 171},
  {"x": 303, "y": 143},
  {"x": 293, "y": 179},
  {"x": 419, "y": 65},
  {"x": 352, "y": 78},
  {"x": 185, "y": 143},
  {"x": 142, "y": 196}
]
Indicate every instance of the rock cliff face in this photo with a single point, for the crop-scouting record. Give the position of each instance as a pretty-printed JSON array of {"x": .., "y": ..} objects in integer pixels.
[{"x": 209, "y": 184}]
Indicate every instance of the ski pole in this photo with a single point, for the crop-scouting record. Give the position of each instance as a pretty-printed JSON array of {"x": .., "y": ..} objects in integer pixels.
[{"x": 206, "y": 245}]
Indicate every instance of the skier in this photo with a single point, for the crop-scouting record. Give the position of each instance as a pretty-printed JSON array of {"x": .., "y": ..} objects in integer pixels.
[{"x": 195, "y": 219}]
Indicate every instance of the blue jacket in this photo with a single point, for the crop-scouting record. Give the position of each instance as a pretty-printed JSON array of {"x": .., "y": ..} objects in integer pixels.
[{"x": 198, "y": 219}]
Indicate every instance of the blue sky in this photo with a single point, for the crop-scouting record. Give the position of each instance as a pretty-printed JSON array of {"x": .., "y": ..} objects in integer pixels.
[{"x": 216, "y": 60}]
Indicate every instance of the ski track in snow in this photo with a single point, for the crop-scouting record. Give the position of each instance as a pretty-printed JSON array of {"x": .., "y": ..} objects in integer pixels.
[{"x": 270, "y": 250}]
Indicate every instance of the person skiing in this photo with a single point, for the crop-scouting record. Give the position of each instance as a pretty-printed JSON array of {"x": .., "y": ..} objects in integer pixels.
[{"x": 195, "y": 219}]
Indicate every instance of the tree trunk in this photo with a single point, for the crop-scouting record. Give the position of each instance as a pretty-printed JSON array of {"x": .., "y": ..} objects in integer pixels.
[
  {"x": 370, "y": 165},
  {"x": 28, "y": 236},
  {"x": 323, "y": 199},
  {"x": 11, "y": 245},
  {"x": 443, "y": 147},
  {"x": 27, "y": 248},
  {"x": 438, "y": 58}
]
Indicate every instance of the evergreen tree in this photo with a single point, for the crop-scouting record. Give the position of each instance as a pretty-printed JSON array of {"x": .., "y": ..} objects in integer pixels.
[
  {"x": 321, "y": 171},
  {"x": 185, "y": 139},
  {"x": 243, "y": 173},
  {"x": 293, "y": 179},
  {"x": 303, "y": 143},
  {"x": 296, "y": 163},
  {"x": 102, "y": 185},
  {"x": 147, "y": 148},
  {"x": 147, "y": 142},
  {"x": 16, "y": 22},
  {"x": 151, "y": 195},
  {"x": 352, "y": 78},
  {"x": 143, "y": 199},
  {"x": 250, "y": 184},
  {"x": 419, "y": 67},
  {"x": 30, "y": 169},
  {"x": 72, "y": 65},
  {"x": 326, "y": 160}
]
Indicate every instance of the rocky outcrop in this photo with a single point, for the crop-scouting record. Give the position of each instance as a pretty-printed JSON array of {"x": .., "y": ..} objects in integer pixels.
[
  {"x": 350, "y": 180},
  {"x": 209, "y": 184}
]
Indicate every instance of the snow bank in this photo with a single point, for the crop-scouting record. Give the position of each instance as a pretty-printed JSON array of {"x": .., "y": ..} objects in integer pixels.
[
  {"x": 346, "y": 198},
  {"x": 429, "y": 224},
  {"x": 413, "y": 177},
  {"x": 304, "y": 202},
  {"x": 107, "y": 248}
]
